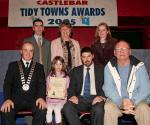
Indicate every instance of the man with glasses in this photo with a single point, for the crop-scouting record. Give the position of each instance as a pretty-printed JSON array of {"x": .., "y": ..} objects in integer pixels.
[{"x": 127, "y": 86}]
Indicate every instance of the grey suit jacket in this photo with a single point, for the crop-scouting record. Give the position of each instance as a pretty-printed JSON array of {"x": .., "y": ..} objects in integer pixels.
[{"x": 46, "y": 52}]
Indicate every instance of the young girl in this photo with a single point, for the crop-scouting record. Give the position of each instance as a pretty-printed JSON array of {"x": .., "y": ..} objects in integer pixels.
[{"x": 58, "y": 70}]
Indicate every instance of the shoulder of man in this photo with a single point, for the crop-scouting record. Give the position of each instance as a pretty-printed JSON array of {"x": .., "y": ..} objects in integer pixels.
[
  {"x": 28, "y": 38},
  {"x": 48, "y": 41},
  {"x": 76, "y": 69},
  {"x": 12, "y": 65},
  {"x": 38, "y": 64}
]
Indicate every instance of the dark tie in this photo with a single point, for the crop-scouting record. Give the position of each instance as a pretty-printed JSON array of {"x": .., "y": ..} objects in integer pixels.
[
  {"x": 27, "y": 65},
  {"x": 69, "y": 54},
  {"x": 87, "y": 85}
]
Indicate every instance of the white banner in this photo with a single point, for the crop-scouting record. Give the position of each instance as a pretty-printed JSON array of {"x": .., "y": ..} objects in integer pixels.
[{"x": 52, "y": 12}]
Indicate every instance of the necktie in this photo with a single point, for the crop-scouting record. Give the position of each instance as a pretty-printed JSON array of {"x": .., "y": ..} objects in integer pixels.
[
  {"x": 86, "y": 93},
  {"x": 40, "y": 50},
  {"x": 27, "y": 65},
  {"x": 69, "y": 55}
]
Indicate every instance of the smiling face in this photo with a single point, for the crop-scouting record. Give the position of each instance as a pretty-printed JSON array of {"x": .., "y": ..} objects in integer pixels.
[
  {"x": 65, "y": 32},
  {"x": 102, "y": 32},
  {"x": 27, "y": 51},
  {"x": 122, "y": 51}
]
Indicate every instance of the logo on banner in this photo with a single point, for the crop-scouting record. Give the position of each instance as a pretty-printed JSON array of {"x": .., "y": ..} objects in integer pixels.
[{"x": 85, "y": 20}]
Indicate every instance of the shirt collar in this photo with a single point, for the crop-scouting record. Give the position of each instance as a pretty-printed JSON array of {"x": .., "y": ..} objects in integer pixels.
[
  {"x": 24, "y": 61},
  {"x": 64, "y": 43},
  {"x": 91, "y": 66},
  {"x": 36, "y": 38}
]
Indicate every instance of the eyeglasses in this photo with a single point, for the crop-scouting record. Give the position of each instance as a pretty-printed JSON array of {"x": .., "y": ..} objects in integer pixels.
[{"x": 121, "y": 49}]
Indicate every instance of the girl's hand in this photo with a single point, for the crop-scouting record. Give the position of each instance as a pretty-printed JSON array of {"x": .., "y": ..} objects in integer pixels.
[
  {"x": 65, "y": 93},
  {"x": 48, "y": 89}
]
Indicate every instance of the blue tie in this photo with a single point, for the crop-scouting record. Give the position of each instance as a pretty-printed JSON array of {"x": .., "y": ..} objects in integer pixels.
[{"x": 86, "y": 93}]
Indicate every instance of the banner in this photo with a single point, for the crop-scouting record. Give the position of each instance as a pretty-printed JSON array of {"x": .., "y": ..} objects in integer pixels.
[{"x": 53, "y": 12}]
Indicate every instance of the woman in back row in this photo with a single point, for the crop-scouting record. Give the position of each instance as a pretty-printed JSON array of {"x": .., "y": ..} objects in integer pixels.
[
  {"x": 66, "y": 47},
  {"x": 104, "y": 44}
]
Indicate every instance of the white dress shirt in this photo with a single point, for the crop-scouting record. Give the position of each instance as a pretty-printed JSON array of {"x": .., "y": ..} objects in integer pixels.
[
  {"x": 92, "y": 80},
  {"x": 36, "y": 38},
  {"x": 25, "y": 63}
]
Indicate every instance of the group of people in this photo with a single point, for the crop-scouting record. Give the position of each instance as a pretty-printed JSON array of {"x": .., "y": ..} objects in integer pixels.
[{"x": 104, "y": 79}]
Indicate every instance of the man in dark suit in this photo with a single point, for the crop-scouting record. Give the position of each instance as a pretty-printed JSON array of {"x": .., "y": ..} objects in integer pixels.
[
  {"x": 24, "y": 88},
  {"x": 85, "y": 91},
  {"x": 42, "y": 47}
]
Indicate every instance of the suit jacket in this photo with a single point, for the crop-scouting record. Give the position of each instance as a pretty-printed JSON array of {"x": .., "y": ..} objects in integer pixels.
[
  {"x": 76, "y": 81},
  {"x": 13, "y": 85},
  {"x": 46, "y": 52}
]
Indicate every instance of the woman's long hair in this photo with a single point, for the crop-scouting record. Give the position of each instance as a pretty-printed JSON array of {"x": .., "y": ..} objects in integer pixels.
[{"x": 97, "y": 37}]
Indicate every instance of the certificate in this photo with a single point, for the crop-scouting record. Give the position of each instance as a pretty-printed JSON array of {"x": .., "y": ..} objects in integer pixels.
[{"x": 57, "y": 88}]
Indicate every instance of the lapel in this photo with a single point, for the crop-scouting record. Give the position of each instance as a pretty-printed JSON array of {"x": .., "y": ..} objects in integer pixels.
[
  {"x": 43, "y": 41},
  {"x": 23, "y": 66},
  {"x": 34, "y": 42},
  {"x": 80, "y": 76},
  {"x": 96, "y": 74}
]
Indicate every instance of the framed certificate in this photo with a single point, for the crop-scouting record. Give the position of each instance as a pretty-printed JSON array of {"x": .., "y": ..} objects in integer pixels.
[{"x": 57, "y": 88}]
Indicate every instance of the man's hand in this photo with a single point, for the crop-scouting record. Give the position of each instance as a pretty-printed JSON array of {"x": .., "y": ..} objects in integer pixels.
[
  {"x": 97, "y": 99},
  {"x": 132, "y": 112},
  {"x": 41, "y": 103},
  {"x": 128, "y": 106},
  {"x": 7, "y": 105},
  {"x": 74, "y": 99}
]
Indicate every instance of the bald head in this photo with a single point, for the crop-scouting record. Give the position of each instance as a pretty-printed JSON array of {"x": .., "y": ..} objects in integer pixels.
[
  {"x": 123, "y": 42},
  {"x": 122, "y": 52}
]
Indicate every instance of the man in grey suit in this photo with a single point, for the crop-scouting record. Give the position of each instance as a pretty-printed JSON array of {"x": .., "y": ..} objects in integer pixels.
[
  {"x": 85, "y": 91},
  {"x": 42, "y": 52}
]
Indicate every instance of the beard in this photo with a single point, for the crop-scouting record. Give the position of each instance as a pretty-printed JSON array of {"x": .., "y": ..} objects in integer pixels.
[{"x": 88, "y": 63}]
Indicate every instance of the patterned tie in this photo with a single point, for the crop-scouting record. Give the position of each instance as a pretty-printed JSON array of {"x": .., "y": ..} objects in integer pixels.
[
  {"x": 86, "y": 93},
  {"x": 40, "y": 50}
]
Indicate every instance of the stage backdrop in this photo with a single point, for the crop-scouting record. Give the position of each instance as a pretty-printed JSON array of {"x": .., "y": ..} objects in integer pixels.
[{"x": 52, "y": 12}]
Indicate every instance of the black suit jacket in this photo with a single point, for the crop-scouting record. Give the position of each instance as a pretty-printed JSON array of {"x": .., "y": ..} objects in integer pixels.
[
  {"x": 76, "y": 81},
  {"x": 13, "y": 86}
]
